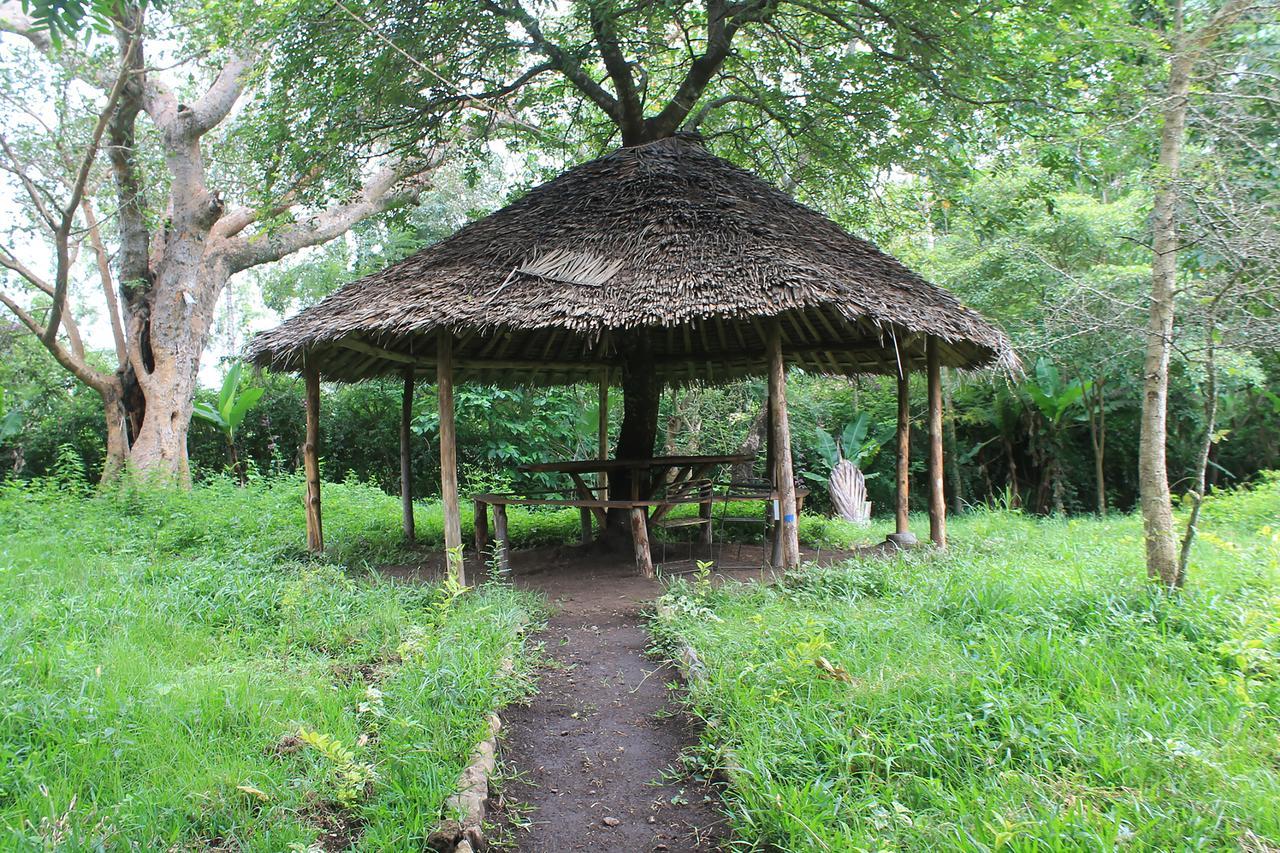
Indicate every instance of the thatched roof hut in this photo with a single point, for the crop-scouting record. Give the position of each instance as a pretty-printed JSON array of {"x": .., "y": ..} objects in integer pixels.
[
  {"x": 663, "y": 239},
  {"x": 659, "y": 263}
]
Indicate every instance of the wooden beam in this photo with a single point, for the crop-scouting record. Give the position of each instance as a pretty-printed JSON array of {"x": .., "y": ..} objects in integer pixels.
[
  {"x": 904, "y": 450},
  {"x": 783, "y": 473},
  {"x": 937, "y": 500},
  {"x": 406, "y": 456},
  {"x": 311, "y": 461},
  {"x": 449, "y": 456}
]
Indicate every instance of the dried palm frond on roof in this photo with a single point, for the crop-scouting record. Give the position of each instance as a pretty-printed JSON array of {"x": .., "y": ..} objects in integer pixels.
[{"x": 665, "y": 243}]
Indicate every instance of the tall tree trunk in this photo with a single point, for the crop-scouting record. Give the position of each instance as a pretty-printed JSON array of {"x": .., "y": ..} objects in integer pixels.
[
  {"x": 1153, "y": 477},
  {"x": 179, "y": 314},
  {"x": 1095, "y": 408},
  {"x": 641, "y": 394},
  {"x": 954, "y": 482}
]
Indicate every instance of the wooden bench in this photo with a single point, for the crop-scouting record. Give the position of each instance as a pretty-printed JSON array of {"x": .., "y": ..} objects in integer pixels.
[{"x": 702, "y": 493}]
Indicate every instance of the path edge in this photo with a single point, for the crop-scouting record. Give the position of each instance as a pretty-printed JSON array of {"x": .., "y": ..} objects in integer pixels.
[{"x": 471, "y": 793}]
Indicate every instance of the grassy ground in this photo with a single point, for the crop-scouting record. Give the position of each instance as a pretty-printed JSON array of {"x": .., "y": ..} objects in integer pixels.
[
  {"x": 176, "y": 674},
  {"x": 1027, "y": 691}
]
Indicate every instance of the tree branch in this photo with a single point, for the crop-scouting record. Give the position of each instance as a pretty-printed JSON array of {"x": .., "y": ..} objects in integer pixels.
[
  {"x": 630, "y": 111},
  {"x": 62, "y": 233},
  {"x": 78, "y": 367},
  {"x": 216, "y": 103},
  {"x": 376, "y": 196},
  {"x": 565, "y": 62},
  {"x": 721, "y": 28}
]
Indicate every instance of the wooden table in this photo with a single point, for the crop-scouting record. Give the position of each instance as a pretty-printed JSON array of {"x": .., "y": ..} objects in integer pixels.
[{"x": 679, "y": 475}]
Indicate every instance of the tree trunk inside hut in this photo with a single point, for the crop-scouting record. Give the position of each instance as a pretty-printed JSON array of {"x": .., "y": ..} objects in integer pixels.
[{"x": 641, "y": 393}]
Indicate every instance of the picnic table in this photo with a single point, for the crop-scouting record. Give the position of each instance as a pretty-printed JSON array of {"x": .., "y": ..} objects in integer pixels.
[{"x": 672, "y": 481}]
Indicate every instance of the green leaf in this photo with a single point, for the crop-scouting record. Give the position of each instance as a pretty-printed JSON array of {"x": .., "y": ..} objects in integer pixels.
[
  {"x": 827, "y": 447},
  {"x": 227, "y": 395},
  {"x": 208, "y": 414},
  {"x": 242, "y": 406}
]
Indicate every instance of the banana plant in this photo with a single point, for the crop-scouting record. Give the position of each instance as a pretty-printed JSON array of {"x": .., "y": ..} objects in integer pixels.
[
  {"x": 1054, "y": 397},
  {"x": 229, "y": 413},
  {"x": 844, "y": 458}
]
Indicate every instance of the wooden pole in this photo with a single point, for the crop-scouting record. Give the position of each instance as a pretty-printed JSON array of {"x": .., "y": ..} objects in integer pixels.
[
  {"x": 783, "y": 475},
  {"x": 500, "y": 538},
  {"x": 449, "y": 455},
  {"x": 406, "y": 446},
  {"x": 904, "y": 450},
  {"x": 602, "y": 437},
  {"x": 771, "y": 518},
  {"x": 311, "y": 461},
  {"x": 482, "y": 528},
  {"x": 640, "y": 538},
  {"x": 937, "y": 498}
]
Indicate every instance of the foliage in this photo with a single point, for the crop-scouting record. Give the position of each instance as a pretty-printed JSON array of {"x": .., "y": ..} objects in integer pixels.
[
  {"x": 1052, "y": 396},
  {"x": 231, "y": 407},
  {"x": 1026, "y": 690},
  {"x": 166, "y": 657}
]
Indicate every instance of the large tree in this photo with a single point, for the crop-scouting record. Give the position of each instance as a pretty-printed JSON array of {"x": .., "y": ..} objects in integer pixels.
[
  {"x": 814, "y": 93},
  {"x": 141, "y": 168}
]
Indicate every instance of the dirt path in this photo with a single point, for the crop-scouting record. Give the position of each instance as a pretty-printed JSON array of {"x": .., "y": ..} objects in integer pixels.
[
  {"x": 593, "y": 759},
  {"x": 596, "y": 751}
]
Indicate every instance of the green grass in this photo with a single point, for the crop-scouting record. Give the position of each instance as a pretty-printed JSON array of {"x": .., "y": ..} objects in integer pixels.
[
  {"x": 158, "y": 650},
  {"x": 1026, "y": 691}
]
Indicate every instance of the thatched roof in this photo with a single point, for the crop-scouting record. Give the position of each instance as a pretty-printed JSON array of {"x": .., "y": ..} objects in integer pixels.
[{"x": 663, "y": 241}]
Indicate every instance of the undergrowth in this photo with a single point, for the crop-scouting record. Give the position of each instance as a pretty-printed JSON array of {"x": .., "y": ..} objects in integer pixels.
[
  {"x": 176, "y": 673},
  {"x": 1028, "y": 690}
]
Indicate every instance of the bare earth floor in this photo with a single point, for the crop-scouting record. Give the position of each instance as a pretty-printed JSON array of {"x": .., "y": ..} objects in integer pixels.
[{"x": 592, "y": 761}]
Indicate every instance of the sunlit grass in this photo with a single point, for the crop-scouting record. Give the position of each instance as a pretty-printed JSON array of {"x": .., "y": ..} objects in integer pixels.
[
  {"x": 1026, "y": 691},
  {"x": 159, "y": 649}
]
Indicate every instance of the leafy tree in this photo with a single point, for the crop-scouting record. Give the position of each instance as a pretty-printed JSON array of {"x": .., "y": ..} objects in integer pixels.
[{"x": 166, "y": 152}]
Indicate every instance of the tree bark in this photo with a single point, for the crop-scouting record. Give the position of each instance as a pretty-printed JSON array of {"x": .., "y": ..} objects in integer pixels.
[
  {"x": 937, "y": 498},
  {"x": 1153, "y": 477},
  {"x": 901, "y": 518},
  {"x": 641, "y": 394}
]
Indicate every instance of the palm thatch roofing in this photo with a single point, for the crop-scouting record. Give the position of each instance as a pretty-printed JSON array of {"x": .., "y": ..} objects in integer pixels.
[{"x": 663, "y": 244}]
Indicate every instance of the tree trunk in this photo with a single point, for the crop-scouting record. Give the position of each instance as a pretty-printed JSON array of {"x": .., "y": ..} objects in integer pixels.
[
  {"x": 1153, "y": 478},
  {"x": 1098, "y": 441},
  {"x": 746, "y": 471},
  {"x": 117, "y": 420},
  {"x": 641, "y": 393},
  {"x": 954, "y": 482}
]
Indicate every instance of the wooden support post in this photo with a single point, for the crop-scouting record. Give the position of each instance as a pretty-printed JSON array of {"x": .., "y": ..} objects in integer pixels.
[
  {"x": 481, "y": 525},
  {"x": 500, "y": 538},
  {"x": 311, "y": 461},
  {"x": 772, "y": 522},
  {"x": 584, "y": 520},
  {"x": 640, "y": 537},
  {"x": 602, "y": 432},
  {"x": 449, "y": 456},
  {"x": 904, "y": 450},
  {"x": 704, "y": 512},
  {"x": 783, "y": 474},
  {"x": 937, "y": 499},
  {"x": 406, "y": 455}
]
